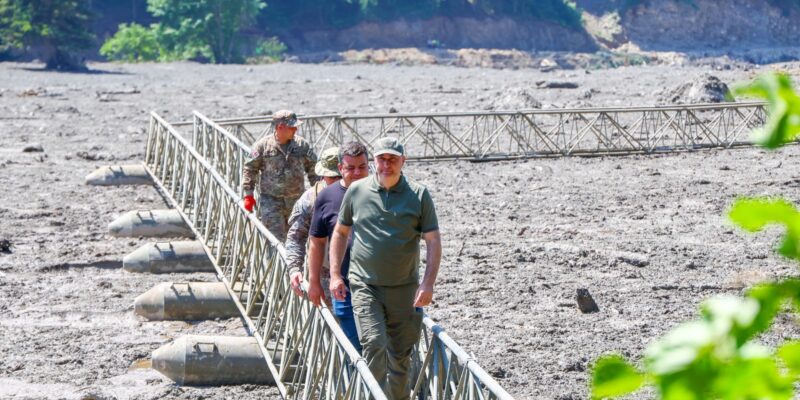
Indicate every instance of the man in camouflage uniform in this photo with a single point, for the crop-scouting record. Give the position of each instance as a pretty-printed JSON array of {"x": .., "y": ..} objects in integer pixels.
[
  {"x": 300, "y": 219},
  {"x": 281, "y": 159}
]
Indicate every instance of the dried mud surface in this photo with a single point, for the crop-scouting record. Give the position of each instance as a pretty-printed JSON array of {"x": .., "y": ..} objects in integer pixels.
[{"x": 645, "y": 234}]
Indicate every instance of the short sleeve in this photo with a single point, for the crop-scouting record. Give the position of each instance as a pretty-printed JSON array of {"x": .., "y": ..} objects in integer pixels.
[
  {"x": 428, "y": 222},
  {"x": 346, "y": 210},
  {"x": 319, "y": 229}
]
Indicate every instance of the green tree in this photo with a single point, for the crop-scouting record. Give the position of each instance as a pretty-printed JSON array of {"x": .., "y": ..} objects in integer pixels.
[
  {"x": 132, "y": 43},
  {"x": 717, "y": 356},
  {"x": 55, "y": 30},
  {"x": 208, "y": 28}
]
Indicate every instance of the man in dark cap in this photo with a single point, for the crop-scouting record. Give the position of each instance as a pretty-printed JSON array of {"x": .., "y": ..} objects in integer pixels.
[{"x": 387, "y": 215}]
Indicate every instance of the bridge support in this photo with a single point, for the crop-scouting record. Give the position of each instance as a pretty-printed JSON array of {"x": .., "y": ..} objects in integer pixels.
[
  {"x": 118, "y": 175},
  {"x": 168, "y": 257},
  {"x": 213, "y": 360},
  {"x": 150, "y": 223},
  {"x": 186, "y": 301}
]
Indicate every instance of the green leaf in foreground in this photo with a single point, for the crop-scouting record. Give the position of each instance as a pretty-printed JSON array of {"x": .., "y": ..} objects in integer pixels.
[
  {"x": 789, "y": 352},
  {"x": 753, "y": 214},
  {"x": 783, "y": 109},
  {"x": 613, "y": 376}
]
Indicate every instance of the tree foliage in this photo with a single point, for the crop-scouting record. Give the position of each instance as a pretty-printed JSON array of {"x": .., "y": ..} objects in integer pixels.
[
  {"x": 208, "y": 30},
  {"x": 717, "y": 356},
  {"x": 132, "y": 43},
  {"x": 284, "y": 15},
  {"x": 57, "y": 30},
  {"x": 212, "y": 28}
]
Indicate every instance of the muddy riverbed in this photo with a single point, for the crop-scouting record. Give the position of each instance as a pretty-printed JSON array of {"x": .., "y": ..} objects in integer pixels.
[{"x": 645, "y": 234}]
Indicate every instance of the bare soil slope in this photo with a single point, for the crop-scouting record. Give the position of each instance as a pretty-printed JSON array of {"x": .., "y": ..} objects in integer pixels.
[{"x": 644, "y": 234}]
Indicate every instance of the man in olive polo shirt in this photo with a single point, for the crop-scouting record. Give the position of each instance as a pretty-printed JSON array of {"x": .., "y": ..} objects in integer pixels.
[{"x": 387, "y": 214}]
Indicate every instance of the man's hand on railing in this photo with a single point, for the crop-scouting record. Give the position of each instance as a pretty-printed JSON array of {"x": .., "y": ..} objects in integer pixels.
[
  {"x": 338, "y": 288},
  {"x": 249, "y": 202},
  {"x": 315, "y": 293},
  {"x": 296, "y": 281}
]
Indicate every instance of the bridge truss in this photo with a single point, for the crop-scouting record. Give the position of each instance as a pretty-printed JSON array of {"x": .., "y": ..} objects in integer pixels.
[
  {"x": 534, "y": 133},
  {"x": 305, "y": 349}
]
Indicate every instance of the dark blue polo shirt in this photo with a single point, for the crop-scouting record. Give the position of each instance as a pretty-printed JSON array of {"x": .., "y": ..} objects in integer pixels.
[{"x": 326, "y": 214}]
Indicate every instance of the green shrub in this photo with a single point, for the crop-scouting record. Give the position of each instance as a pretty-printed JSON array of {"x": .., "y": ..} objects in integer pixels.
[
  {"x": 271, "y": 49},
  {"x": 132, "y": 43}
]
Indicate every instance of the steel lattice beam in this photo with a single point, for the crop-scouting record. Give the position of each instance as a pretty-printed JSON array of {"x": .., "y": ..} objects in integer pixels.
[{"x": 534, "y": 133}]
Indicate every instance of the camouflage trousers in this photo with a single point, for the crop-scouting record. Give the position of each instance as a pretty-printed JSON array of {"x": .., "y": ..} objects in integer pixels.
[{"x": 275, "y": 213}]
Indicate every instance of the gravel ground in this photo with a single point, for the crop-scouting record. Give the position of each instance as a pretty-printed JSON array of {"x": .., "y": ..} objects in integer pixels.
[{"x": 645, "y": 234}]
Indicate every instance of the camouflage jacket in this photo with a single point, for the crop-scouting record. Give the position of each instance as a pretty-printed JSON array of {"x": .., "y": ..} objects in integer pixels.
[
  {"x": 299, "y": 225},
  {"x": 281, "y": 170}
]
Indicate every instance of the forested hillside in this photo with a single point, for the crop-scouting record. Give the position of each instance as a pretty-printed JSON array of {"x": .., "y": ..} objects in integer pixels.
[{"x": 225, "y": 31}]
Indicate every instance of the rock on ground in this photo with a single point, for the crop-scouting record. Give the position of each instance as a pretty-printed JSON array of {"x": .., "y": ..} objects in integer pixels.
[{"x": 704, "y": 89}]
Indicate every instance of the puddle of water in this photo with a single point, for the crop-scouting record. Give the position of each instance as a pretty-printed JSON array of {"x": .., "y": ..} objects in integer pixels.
[{"x": 143, "y": 363}]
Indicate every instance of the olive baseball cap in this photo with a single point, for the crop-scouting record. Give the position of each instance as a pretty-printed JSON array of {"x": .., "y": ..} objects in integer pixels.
[
  {"x": 328, "y": 162},
  {"x": 286, "y": 117},
  {"x": 389, "y": 145}
]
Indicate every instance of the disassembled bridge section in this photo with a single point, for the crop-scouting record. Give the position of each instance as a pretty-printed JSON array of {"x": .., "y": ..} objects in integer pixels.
[{"x": 489, "y": 135}]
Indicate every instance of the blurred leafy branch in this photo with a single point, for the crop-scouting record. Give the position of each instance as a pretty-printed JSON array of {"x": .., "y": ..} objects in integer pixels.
[{"x": 717, "y": 356}]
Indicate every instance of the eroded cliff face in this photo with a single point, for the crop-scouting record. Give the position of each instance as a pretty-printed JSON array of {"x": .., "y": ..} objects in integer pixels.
[
  {"x": 654, "y": 25},
  {"x": 499, "y": 33},
  {"x": 696, "y": 25}
]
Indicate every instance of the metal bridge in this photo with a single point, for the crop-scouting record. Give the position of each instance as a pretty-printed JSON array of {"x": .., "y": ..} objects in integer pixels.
[
  {"x": 306, "y": 351},
  {"x": 534, "y": 133}
]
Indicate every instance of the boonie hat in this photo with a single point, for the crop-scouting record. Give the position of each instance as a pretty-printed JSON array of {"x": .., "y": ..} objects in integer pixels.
[
  {"x": 286, "y": 117},
  {"x": 328, "y": 162},
  {"x": 389, "y": 145}
]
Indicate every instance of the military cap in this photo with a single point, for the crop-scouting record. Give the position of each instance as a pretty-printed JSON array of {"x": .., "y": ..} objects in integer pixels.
[
  {"x": 389, "y": 145},
  {"x": 286, "y": 117}
]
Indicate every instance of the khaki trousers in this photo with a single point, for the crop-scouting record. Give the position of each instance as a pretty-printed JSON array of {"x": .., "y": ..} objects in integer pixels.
[{"x": 388, "y": 327}]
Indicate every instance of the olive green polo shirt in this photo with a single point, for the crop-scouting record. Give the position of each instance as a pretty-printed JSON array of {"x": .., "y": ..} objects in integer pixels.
[{"x": 387, "y": 227}]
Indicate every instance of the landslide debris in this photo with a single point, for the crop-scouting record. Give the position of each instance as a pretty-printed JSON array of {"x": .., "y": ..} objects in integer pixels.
[
  {"x": 704, "y": 89},
  {"x": 515, "y": 99}
]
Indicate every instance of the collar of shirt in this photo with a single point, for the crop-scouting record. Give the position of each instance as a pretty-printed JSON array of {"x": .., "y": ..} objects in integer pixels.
[{"x": 375, "y": 186}]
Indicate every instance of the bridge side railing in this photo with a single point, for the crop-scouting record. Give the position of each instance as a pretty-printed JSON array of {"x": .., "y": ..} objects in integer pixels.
[
  {"x": 443, "y": 368},
  {"x": 531, "y": 133},
  {"x": 306, "y": 351}
]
